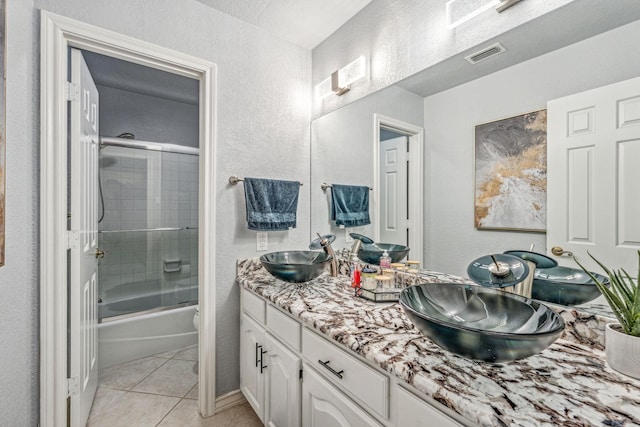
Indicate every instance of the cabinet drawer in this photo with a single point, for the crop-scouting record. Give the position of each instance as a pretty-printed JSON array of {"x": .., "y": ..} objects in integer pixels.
[
  {"x": 364, "y": 384},
  {"x": 413, "y": 411},
  {"x": 284, "y": 327},
  {"x": 253, "y": 305}
]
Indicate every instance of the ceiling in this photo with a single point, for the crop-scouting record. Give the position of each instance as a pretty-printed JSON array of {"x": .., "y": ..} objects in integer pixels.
[
  {"x": 128, "y": 76},
  {"x": 303, "y": 22}
]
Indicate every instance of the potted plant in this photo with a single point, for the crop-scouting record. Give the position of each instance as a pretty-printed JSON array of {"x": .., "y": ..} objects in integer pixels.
[{"x": 622, "y": 341}]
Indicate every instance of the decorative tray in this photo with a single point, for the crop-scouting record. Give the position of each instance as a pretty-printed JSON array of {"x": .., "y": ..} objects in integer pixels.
[{"x": 380, "y": 295}]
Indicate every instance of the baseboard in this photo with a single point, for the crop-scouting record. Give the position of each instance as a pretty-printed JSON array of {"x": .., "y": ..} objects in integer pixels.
[{"x": 229, "y": 400}]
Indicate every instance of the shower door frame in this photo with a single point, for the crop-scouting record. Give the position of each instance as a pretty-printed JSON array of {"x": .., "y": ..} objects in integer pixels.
[{"x": 58, "y": 34}]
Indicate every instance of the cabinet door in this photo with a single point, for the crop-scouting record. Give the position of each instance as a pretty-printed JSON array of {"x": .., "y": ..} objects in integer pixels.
[
  {"x": 324, "y": 406},
  {"x": 414, "y": 412},
  {"x": 282, "y": 388},
  {"x": 251, "y": 360}
]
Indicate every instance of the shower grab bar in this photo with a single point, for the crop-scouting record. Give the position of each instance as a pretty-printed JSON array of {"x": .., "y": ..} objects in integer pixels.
[
  {"x": 324, "y": 186},
  {"x": 147, "y": 230},
  {"x": 233, "y": 180}
]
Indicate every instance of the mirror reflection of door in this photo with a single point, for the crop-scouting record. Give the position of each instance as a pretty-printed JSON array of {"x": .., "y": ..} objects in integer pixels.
[
  {"x": 594, "y": 181},
  {"x": 394, "y": 173}
]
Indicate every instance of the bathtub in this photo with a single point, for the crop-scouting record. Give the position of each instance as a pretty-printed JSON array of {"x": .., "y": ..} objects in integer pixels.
[
  {"x": 134, "y": 297},
  {"x": 131, "y": 338}
]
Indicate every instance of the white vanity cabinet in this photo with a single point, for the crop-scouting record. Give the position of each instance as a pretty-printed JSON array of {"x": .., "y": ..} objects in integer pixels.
[
  {"x": 269, "y": 371},
  {"x": 282, "y": 387},
  {"x": 368, "y": 387},
  {"x": 251, "y": 358},
  {"x": 252, "y": 378},
  {"x": 412, "y": 411},
  {"x": 292, "y": 376},
  {"x": 324, "y": 406}
]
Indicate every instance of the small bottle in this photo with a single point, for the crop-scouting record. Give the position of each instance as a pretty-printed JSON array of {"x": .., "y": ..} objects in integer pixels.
[
  {"x": 385, "y": 260},
  {"x": 355, "y": 273}
]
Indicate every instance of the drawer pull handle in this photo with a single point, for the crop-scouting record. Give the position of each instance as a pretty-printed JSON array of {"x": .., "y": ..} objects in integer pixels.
[
  {"x": 258, "y": 346},
  {"x": 262, "y": 367},
  {"x": 333, "y": 371}
]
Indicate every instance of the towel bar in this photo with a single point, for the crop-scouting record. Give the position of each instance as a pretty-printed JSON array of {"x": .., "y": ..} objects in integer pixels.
[
  {"x": 233, "y": 180},
  {"x": 324, "y": 186}
]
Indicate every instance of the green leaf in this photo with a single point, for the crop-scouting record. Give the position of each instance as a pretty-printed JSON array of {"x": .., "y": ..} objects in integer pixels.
[{"x": 622, "y": 295}]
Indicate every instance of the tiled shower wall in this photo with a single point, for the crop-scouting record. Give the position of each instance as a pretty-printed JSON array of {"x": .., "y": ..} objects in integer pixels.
[{"x": 145, "y": 189}]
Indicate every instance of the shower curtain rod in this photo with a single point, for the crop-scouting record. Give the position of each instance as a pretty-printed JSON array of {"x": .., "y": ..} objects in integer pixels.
[{"x": 148, "y": 145}]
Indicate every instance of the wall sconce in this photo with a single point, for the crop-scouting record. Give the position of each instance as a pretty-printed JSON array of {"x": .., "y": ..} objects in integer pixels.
[
  {"x": 461, "y": 11},
  {"x": 340, "y": 81}
]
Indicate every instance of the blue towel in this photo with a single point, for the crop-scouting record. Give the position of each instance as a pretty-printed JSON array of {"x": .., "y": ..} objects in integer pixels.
[
  {"x": 350, "y": 205},
  {"x": 271, "y": 204}
]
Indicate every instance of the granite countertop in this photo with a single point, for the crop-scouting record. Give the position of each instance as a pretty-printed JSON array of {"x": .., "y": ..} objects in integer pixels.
[{"x": 567, "y": 384}]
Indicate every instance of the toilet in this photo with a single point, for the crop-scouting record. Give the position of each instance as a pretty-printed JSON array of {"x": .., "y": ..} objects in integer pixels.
[{"x": 196, "y": 318}]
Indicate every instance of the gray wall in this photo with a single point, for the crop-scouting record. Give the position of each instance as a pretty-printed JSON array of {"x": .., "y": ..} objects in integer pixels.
[
  {"x": 451, "y": 241},
  {"x": 263, "y": 117},
  {"x": 148, "y": 117}
]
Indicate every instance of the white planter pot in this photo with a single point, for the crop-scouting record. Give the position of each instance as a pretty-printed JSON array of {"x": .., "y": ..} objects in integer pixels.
[{"x": 623, "y": 351}]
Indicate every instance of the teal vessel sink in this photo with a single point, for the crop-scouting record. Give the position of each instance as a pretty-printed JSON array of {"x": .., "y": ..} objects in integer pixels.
[
  {"x": 565, "y": 285},
  {"x": 481, "y": 323},
  {"x": 371, "y": 253},
  {"x": 295, "y": 266}
]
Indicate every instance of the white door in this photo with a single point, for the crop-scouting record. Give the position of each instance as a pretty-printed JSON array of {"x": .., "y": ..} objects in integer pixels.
[
  {"x": 324, "y": 406},
  {"x": 393, "y": 191},
  {"x": 252, "y": 364},
  {"x": 282, "y": 388},
  {"x": 594, "y": 175},
  {"x": 83, "y": 241}
]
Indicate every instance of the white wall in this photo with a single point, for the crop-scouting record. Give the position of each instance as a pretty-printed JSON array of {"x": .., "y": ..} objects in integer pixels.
[
  {"x": 263, "y": 130},
  {"x": 451, "y": 241}
]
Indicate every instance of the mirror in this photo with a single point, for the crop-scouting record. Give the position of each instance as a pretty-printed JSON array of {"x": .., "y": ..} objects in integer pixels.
[
  {"x": 342, "y": 143},
  {"x": 366, "y": 143}
]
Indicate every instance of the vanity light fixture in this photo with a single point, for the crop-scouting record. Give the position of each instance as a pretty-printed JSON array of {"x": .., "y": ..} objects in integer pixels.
[
  {"x": 340, "y": 81},
  {"x": 461, "y": 11}
]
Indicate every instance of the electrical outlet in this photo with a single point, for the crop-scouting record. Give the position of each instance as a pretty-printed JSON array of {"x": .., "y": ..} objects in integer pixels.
[
  {"x": 347, "y": 238},
  {"x": 262, "y": 241}
]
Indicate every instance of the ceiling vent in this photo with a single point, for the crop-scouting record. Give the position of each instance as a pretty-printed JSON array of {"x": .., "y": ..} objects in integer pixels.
[{"x": 486, "y": 53}]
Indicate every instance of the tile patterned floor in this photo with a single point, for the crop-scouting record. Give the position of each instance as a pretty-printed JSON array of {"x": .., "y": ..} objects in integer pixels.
[{"x": 160, "y": 390}]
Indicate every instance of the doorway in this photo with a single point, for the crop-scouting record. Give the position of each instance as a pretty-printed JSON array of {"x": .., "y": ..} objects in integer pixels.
[
  {"x": 143, "y": 208},
  {"x": 59, "y": 34},
  {"x": 398, "y": 178}
]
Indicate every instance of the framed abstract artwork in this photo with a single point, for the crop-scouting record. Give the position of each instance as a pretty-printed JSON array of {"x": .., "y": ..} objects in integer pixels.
[
  {"x": 511, "y": 173},
  {"x": 3, "y": 163}
]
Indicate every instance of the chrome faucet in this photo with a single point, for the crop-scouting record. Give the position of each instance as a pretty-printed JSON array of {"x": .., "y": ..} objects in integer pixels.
[
  {"x": 355, "y": 248},
  {"x": 358, "y": 240},
  {"x": 324, "y": 242}
]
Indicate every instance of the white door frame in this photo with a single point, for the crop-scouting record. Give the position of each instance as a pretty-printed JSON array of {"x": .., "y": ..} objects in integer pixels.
[
  {"x": 58, "y": 33},
  {"x": 416, "y": 179}
]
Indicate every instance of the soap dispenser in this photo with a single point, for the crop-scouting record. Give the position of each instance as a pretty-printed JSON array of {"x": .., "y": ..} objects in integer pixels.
[{"x": 385, "y": 260}]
